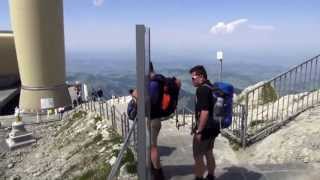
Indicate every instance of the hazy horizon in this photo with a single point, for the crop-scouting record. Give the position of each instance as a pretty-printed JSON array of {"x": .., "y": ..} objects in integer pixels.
[{"x": 261, "y": 32}]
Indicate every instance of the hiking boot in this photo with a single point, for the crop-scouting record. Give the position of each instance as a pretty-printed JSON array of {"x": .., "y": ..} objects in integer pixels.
[
  {"x": 199, "y": 178},
  {"x": 157, "y": 174},
  {"x": 210, "y": 177}
]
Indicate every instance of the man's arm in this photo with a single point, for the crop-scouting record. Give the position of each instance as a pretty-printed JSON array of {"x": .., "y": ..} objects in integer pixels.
[{"x": 203, "y": 120}]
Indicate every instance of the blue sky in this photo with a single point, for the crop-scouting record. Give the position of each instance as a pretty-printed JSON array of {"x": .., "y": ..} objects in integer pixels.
[{"x": 270, "y": 29}]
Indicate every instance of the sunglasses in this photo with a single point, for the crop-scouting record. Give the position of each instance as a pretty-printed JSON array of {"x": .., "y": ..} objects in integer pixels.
[{"x": 194, "y": 77}]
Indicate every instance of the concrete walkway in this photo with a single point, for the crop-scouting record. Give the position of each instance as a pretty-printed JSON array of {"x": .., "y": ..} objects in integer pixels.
[{"x": 177, "y": 161}]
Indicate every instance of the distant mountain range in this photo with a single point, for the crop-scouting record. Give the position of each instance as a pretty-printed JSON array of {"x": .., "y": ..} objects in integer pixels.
[{"x": 117, "y": 77}]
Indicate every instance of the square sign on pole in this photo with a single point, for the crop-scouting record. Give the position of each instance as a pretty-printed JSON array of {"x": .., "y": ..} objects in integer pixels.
[
  {"x": 143, "y": 116},
  {"x": 219, "y": 55}
]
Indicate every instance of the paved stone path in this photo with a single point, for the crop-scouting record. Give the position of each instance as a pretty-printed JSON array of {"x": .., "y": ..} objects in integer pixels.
[{"x": 177, "y": 161}]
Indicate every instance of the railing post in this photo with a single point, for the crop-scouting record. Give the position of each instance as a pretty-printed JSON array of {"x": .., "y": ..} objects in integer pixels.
[
  {"x": 244, "y": 122},
  {"x": 112, "y": 118},
  {"x": 184, "y": 116},
  {"x": 107, "y": 109},
  {"x": 100, "y": 110},
  {"x": 122, "y": 127}
]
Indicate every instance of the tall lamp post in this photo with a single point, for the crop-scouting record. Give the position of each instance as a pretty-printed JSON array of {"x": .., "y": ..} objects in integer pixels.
[{"x": 220, "y": 58}]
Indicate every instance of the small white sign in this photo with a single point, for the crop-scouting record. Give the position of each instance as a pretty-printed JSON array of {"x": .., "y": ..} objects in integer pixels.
[
  {"x": 219, "y": 55},
  {"x": 46, "y": 103}
]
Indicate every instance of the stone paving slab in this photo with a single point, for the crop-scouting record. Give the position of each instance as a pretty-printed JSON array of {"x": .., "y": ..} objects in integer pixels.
[{"x": 177, "y": 161}]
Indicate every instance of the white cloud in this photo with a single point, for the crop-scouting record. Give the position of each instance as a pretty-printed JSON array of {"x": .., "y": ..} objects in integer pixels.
[
  {"x": 227, "y": 28},
  {"x": 98, "y": 3},
  {"x": 262, "y": 27}
]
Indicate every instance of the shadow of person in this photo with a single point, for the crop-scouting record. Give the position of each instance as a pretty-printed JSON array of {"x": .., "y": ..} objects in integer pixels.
[
  {"x": 239, "y": 173},
  {"x": 171, "y": 171},
  {"x": 165, "y": 150}
]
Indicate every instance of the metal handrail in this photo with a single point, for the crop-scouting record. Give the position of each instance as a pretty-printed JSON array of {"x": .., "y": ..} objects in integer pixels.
[
  {"x": 125, "y": 146},
  {"x": 284, "y": 73}
]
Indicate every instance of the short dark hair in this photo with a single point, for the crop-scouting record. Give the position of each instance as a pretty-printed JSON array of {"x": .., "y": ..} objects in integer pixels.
[
  {"x": 199, "y": 69},
  {"x": 131, "y": 91}
]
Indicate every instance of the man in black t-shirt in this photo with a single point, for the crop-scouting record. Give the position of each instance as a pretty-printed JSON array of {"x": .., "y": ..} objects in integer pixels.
[{"x": 206, "y": 129}]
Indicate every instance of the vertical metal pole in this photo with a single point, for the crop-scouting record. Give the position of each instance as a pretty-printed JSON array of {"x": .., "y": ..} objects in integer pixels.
[
  {"x": 277, "y": 117},
  {"x": 122, "y": 127},
  {"x": 314, "y": 87},
  {"x": 177, "y": 120},
  {"x": 289, "y": 92},
  {"x": 184, "y": 116},
  {"x": 220, "y": 77},
  {"x": 107, "y": 109},
  {"x": 257, "y": 112},
  {"x": 294, "y": 84},
  {"x": 273, "y": 102},
  {"x": 245, "y": 122},
  {"x": 284, "y": 93},
  {"x": 304, "y": 84},
  {"x": 142, "y": 69},
  {"x": 252, "y": 105},
  {"x": 100, "y": 109},
  {"x": 316, "y": 80}
]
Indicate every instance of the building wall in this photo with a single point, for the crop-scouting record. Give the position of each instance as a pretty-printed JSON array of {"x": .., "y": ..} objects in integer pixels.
[{"x": 8, "y": 57}]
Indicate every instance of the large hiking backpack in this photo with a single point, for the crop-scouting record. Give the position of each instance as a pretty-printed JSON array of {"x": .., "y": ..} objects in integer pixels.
[
  {"x": 168, "y": 96},
  {"x": 223, "y": 92}
]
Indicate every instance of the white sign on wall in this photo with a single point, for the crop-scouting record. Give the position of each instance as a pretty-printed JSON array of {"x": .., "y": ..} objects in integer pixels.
[{"x": 46, "y": 103}]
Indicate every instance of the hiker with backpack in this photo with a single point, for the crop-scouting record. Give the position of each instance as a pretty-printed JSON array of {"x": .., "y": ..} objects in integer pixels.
[
  {"x": 164, "y": 92},
  {"x": 212, "y": 113},
  {"x": 132, "y": 106}
]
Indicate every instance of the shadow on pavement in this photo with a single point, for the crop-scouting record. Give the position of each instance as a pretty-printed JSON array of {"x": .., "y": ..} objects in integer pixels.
[
  {"x": 177, "y": 170},
  {"x": 165, "y": 150},
  {"x": 239, "y": 173}
]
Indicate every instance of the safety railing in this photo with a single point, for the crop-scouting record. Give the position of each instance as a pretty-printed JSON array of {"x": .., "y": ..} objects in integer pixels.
[
  {"x": 265, "y": 108},
  {"x": 119, "y": 122},
  {"x": 277, "y": 101},
  {"x": 186, "y": 116},
  {"x": 127, "y": 142}
]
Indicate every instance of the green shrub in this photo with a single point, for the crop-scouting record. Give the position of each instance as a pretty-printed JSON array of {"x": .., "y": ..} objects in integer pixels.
[
  {"x": 132, "y": 167},
  {"x": 79, "y": 115},
  {"x": 98, "y": 173},
  {"x": 268, "y": 94},
  {"x": 97, "y": 119}
]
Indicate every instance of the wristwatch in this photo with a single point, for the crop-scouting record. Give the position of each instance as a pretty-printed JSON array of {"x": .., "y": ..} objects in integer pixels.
[{"x": 198, "y": 132}]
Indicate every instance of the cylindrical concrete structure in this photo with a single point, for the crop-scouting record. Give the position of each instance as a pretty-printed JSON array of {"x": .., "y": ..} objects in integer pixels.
[
  {"x": 39, "y": 39},
  {"x": 8, "y": 60}
]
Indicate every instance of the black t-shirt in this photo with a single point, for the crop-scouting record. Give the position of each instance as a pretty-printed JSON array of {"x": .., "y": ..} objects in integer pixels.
[{"x": 205, "y": 102}]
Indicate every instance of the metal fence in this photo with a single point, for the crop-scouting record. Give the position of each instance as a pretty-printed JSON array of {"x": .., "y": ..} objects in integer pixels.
[
  {"x": 186, "y": 116},
  {"x": 119, "y": 123},
  {"x": 108, "y": 110},
  {"x": 265, "y": 108},
  {"x": 279, "y": 100}
]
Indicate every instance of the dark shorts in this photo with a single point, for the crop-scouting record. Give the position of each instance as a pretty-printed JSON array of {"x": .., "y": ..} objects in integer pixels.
[{"x": 202, "y": 147}]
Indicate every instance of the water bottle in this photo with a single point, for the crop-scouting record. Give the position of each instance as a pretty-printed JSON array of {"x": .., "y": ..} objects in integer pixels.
[{"x": 218, "y": 110}]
